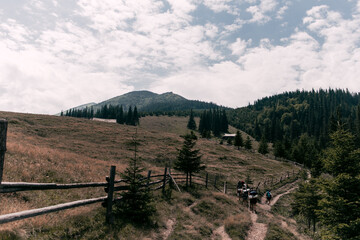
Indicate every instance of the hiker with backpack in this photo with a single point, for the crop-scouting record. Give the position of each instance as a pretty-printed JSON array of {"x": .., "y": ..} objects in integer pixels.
[
  {"x": 239, "y": 188},
  {"x": 253, "y": 196},
  {"x": 244, "y": 196},
  {"x": 268, "y": 196}
]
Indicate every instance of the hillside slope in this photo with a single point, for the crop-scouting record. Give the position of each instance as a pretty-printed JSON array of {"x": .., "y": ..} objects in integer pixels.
[{"x": 65, "y": 150}]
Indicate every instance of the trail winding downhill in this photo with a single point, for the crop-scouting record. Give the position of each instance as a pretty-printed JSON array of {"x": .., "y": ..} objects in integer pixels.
[{"x": 258, "y": 230}]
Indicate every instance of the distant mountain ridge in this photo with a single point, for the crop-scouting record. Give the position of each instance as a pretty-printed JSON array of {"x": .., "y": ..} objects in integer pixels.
[{"x": 147, "y": 101}]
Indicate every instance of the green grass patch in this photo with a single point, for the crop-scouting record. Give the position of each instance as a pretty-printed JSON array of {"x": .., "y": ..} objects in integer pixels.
[
  {"x": 208, "y": 209},
  {"x": 283, "y": 206}
]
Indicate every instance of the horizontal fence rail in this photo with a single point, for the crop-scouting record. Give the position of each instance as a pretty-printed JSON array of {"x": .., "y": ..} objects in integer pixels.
[
  {"x": 40, "y": 211},
  {"x": 8, "y": 187},
  {"x": 107, "y": 201}
]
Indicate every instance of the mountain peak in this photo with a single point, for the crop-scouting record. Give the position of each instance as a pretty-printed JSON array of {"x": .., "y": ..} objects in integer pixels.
[{"x": 147, "y": 101}]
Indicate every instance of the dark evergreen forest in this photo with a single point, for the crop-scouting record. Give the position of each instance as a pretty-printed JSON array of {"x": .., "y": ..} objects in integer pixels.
[
  {"x": 131, "y": 117},
  {"x": 213, "y": 121},
  {"x": 300, "y": 122}
]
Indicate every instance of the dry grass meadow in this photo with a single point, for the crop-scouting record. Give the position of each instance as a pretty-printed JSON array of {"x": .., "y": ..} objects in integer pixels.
[{"x": 42, "y": 148}]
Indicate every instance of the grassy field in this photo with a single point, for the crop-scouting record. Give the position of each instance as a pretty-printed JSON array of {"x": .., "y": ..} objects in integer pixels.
[{"x": 44, "y": 148}]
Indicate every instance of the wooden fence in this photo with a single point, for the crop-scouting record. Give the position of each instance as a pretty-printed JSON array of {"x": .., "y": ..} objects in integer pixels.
[
  {"x": 155, "y": 182},
  {"x": 111, "y": 186}
]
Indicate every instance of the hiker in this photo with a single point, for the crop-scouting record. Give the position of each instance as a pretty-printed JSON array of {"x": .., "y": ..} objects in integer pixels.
[
  {"x": 239, "y": 188},
  {"x": 253, "y": 199},
  {"x": 268, "y": 196},
  {"x": 244, "y": 195}
]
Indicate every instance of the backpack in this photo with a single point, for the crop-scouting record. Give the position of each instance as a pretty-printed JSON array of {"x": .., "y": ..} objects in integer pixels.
[{"x": 268, "y": 194}]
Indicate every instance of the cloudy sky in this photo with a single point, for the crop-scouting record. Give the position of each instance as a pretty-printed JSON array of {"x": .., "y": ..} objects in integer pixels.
[{"x": 57, "y": 54}]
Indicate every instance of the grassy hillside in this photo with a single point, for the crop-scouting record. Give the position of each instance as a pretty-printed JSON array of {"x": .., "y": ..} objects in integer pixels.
[{"x": 45, "y": 148}]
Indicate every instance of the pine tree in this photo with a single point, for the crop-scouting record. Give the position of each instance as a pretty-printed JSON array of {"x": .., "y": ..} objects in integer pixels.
[
  {"x": 357, "y": 125},
  {"x": 248, "y": 144},
  {"x": 238, "y": 140},
  {"x": 105, "y": 112},
  {"x": 191, "y": 123},
  {"x": 263, "y": 146},
  {"x": 257, "y": 131},
  {"x": 216, "y": 123},
  {"x": 224, "y": 123},
  {"x": 135, "y": 120},
  {"x": 91, "y": 112},
  {"x": 120, "y": 116},
  {"x": 339, "y": 209},
  {"x": 189, "y": 160},
  {"x": 137, "y": 203},
  {"x": 306, "y": 201},
  {"x": 279, "y": 149},
  {"x": 129, "y": 117}
]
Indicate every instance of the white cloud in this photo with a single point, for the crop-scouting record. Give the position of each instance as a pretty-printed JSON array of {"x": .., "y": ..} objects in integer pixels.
[
  {"x": 221, "y": 6},
  {"x": 183, "y": 8},
  {"x": 11, "y": 30},
  {"x": 97, "y": 50},
  {"x": 301, "y": 63},
  {"x": 282, "y": 10},
  {"x": 211, "y": 30},
  {"x": 259, "y": 12},
  {"x": 239, "y": 46},
  {"x": 236, "y": 25}
]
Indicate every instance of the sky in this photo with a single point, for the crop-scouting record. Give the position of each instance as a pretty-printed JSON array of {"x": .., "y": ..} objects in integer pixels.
[{"x": 58, "y": 54}]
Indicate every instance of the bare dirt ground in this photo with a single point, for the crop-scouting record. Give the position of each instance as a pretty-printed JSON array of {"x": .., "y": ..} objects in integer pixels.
[
  {"x": 257, "y": 230},
  {"x": 220, "y": 233},
  {"x": 288, "y": 188},
  {"x": 169, "y": 228}
]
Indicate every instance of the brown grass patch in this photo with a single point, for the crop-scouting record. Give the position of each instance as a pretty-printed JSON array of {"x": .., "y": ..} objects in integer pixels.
[{"x": 237, "y": 226}]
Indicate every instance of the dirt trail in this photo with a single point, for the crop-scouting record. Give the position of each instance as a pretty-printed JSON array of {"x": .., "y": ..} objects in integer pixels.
[
  {"x": 277, "y": 197},
  {"x": 170, "y": 224},
  {"x": 220, "y": 232},
  {"x": 291, "y": 228},
  {"x": 257, "y": 230}
]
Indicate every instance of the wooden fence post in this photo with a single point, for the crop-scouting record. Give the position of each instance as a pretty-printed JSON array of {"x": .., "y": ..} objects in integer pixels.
[
  {"x": 110, "y": 197},
  {"x": 164, "y": 181},
  {"x": 207, "y": 179},
  {"x": 225, "y": 187},
  {"x": 148, "y": 178},
  {"x": 3, "y": 131}
]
